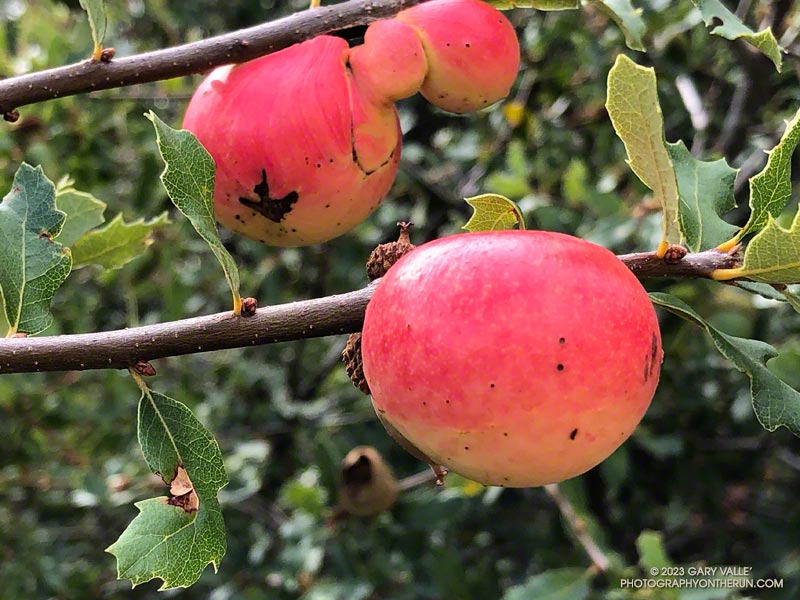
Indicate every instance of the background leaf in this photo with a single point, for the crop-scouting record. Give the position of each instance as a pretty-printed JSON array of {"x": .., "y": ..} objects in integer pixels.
[
  {"x": 32, "y": 265},
  {"x": 164, "y": 541},
  {"x": 557, "y": 584},
  {"x": 84, "y": 212},
  {"x": 116, "y": 244},
  {"x": 771, "y": 189},
  {"x": 775, "y": 403},
  {"x": 706, "y": 192},
  {"x": 189, "y": 179},
  {"x": 733, "y": 29},
  {"x": 493, "y": 212},
  {"x": 632, "y": 104},
  {"x": 628, "y": 18}
]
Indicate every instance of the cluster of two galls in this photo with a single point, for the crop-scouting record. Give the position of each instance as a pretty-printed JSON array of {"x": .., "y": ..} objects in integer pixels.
[{"x": 514, "y": 358}]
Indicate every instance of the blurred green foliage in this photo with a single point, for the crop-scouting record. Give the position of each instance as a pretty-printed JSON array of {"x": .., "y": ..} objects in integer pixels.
[{"x": 700, "y": 471}]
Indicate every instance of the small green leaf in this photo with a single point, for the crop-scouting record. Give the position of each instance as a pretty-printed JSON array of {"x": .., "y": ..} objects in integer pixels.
[
  {"x": 493, "y": 213},
  {"x": 706, "y": 192},
  {"x": 189, "y": 180},
  {"x": 165, "y": 541},
  {"x": 84, "y": 212},
  {"x": 570, "y": 583},
  {"x": 772, "y": 256},
  {"x": 98, "y": 21},
  {"x": 32, "y": 265},
  {"x": 713, "y": 11},
  {"x": 116, "y": 244},
  {"x": 652, "y": 554},
  {"x": 774, "y": 402},
  {"x": 633, "y": 106},
  {"x": 628, "y": 19},
  {"x": 771, "y": 189},
  {"x": 537, "y": 4}
]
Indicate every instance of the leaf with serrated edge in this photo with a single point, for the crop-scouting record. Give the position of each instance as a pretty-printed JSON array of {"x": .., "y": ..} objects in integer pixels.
[
  {"x": 98, "y": 22},
  {"x": 189, "y": 180},
  {"x": 633, "y": 106},
  {"x": 627, "y": 18},
  {"x": 714, "y": 12},
  {"x": 165, "y": 541},
  {"x": 32, "y": 265},
  {"x": 774, "y": 402},
  {"x": 84, "y": 213},
  {"x": 537, "y": 4},
  {"x": 771, "y": 189},
  {"x": 706, "y": 192},
  {"x": 772, "y": 256},
  {"x": 493, "y": 213},
  {"x": 116, "y": 244}
]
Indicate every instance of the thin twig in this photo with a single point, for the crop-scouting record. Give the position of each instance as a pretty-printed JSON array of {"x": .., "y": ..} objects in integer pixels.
[
  {"x": 331, "y": 315},
  {"x": 593, "y": 550},
  {"x": 235, "y": 47}
]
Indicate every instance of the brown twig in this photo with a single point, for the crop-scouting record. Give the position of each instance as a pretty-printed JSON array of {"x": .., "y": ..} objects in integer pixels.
[
  {"x": 343, "y": 313},
  {"x": 593, "y": 550},
  {"x": 235, "y": 47}
]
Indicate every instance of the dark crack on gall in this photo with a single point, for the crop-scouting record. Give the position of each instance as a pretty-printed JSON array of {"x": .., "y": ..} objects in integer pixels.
[
  {"x": 651, "y": 361},
  {"x": 274, "y": 209},
  {"x": 573, "y": 434}
]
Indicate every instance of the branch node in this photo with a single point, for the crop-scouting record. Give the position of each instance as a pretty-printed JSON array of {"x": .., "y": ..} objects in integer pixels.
[
  {"x": 249, "y": 306},
  {"x": 144, "y": 368},
  {"x": 674, "y": 254},
  {"x": 107, "y": 54},
  {"x": 12, "y": 116}
]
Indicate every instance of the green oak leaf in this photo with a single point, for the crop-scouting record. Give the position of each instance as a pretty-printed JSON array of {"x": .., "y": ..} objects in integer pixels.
[
  {"x": 772, "y": 256},
  {"x": 168, "y": 541},
  {"x": 632, "y": 104},
  {"x": 98, "y": 22},
  {"x": 32, "y": 265},
  {"x": 568, "y": 583},
  {"x": 537, "y": 4},
  {"x": 493, "y": 212},
  {"x": 706, "y": 192},
  {"x": 713, "y": 12},
  {"x": 116, "y": 244},
  {"x": 652, "y": 554},
  {"x": 774, "y": 402},
  {"x": 771, "y": 189},
  {"x": 627, "y": 18},
  {"x": 189, "y": 180},
  {"x": 84, "y": 212}
]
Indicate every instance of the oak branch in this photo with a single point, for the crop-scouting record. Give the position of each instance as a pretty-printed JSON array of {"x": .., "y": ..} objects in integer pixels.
[
  {"x": 188, "y": 59},
  {"x": 342, "y": 313}
]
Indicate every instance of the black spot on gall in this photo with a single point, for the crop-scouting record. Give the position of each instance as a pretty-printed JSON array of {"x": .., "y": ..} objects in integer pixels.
[
  {"x": 491, "y": 385},
  {"x": 560, "y": 367},
  {"x": 562, "y": 340},
  {"x": 274, "y": 209},
  {"x": 573, "y": 434}
]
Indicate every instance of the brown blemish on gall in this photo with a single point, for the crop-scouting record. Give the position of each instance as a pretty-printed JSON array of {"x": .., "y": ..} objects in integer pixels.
[{"x": 573, "y": 434}]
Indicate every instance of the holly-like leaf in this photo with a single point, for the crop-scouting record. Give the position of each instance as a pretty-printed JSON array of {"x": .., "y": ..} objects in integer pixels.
[
  {"x": 729, "y": 26},
  {"x": 632, "y": 104},
  {"x": 116, "y": 244},
  {"x": 537, "y": 4},
  {"x": 628, "y": 18},
  {"x": 32, "y": 265},
  {"x": 84, "y": 212},
  {"x": 771, "y": 189},
  {"x": 774, "y": 402},
  {"x": 98, "y": 22},
  {"x": 772, "y": 256},
  {"x": 493, "y": 213},
  {"x": 189, "y": 180},
  {"x": 174, "y": 539},
  {"x": 706, "y": 192}
]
